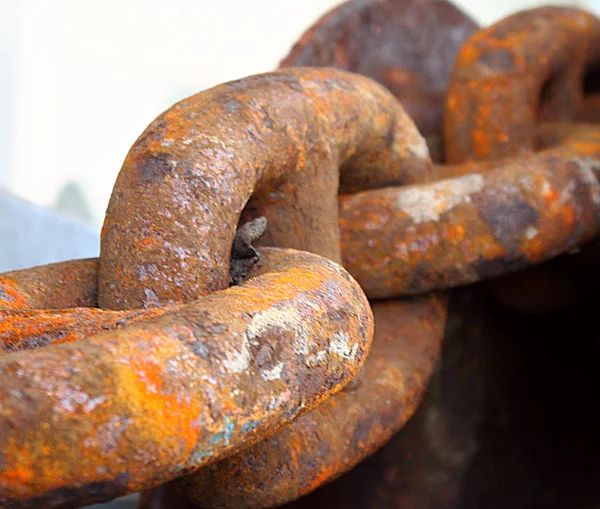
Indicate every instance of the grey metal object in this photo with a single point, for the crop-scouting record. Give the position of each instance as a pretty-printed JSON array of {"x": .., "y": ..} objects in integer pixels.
[{"x": 32, "y": 235}]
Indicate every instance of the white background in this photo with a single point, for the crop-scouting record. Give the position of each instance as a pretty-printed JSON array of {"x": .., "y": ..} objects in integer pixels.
[{"x": 81, "y": 79}]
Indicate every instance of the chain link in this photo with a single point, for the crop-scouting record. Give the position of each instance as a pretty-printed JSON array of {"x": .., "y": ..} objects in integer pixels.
[{"x": 183, "y": 353}]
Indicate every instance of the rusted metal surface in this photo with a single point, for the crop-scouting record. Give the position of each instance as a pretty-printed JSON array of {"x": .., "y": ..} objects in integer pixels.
[
  {"x": 27, "y": 329},
  {"x": 501, "y": 89},
  {"x": 405, "y": 146},
  {"x": 558, "y": 184},
  {"x": 446, "y": 456},
  {"x": 190, "y": 156},
  {"x": 158, "y": 214},
  {"x": 56, "y": 303},
  {"x": 341, "y": 432},
  {"x": 248, "y": 144},
  {"x": 178, "y": 373},
  {"x": 476, "y": 226},
  {"x": 590, "y": 110},
  {"x": 54, "y": 286},
  {"x": 504, "y": 75},
  {"x": 315, "y": 448},
  {"x": 31, "y": 323},
  {"x": 137, "y": 407},
  {"x": 409, "y": 46},
  {"x": 424, "y": 465},
  {"x": 506, "y": 421},
  {"x": 412, "y": 239},
  {"x": 275, "y": 150}
]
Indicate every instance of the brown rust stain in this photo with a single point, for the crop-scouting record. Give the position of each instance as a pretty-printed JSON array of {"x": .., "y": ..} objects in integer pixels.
[
  {"x": 407, "y": 46},
  {"x": 156, "y": 399},
  {"x": 345, "y": 429},
  {"x": 525, "y": 68},
  {"x": 54, "y": 286},
  {"x": 445, "y": 234},
  {"x": 448, "y": 233},
  {"x": 116, "y": 401},
  {"x": 530, "y": 67},
  {"x": 248, "y": 144}
]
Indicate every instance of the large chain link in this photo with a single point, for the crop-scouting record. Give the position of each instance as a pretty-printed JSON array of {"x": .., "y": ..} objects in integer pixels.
[{"x": 164, "y": 369}]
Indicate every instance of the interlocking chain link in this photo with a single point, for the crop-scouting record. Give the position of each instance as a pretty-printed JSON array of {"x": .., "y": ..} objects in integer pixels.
[{"x": 147, "y": 362}]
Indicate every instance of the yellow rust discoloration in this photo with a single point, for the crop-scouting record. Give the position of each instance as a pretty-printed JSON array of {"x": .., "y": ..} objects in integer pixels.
[{"x": 12, "y": 295}]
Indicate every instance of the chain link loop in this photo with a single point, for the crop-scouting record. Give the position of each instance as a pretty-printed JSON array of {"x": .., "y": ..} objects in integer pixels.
[{"x": 184, "y": 354}]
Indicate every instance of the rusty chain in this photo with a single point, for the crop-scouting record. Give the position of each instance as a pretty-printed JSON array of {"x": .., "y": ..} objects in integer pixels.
[{"x": 163, "y": 370}]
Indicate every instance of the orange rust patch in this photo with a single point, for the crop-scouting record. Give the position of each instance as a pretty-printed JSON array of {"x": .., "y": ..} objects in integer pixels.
[
  {"x": 140, "y": 382},
  {"x": 11, "y": 295}
]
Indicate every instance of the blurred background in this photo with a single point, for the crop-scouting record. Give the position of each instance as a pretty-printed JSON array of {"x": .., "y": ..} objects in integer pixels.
[{"x": 82, "y": 79}]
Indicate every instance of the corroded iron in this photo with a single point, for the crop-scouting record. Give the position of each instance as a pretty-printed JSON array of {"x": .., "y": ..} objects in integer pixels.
[
  {"x": 425, "y": 464},
  {"x": 501, "y": 89},
  {"x": 54, "y": 286},
  {"x": 124, "y": 410},
  {"x": 223, "y": 484},
  {"x": 506, "y": 421},
  {"x": 437, "y": 254},
  {"x": 248, "y": 145},
  {"x": 27, "y": 329},
  {"x": 280, "y": 146},
  {"x": 504, "y": 75},
  {"x": 447, "y": 455},
  {"x": 514, "y": 214},
  {"x": 341, "y": 432},
  {"x": 419, "y": 150},
  {"x": 57, "y": 303},
  {"x": 457, "y": 231},
  {"x": 379, "y": 40},
  {"x": 305, "y": 147},
  {"x": 372, "y": 38},
  {"x": 318, "y": 435},
  {"x": 196, "y": 375},
  {"x": 409, "y": 46}
]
